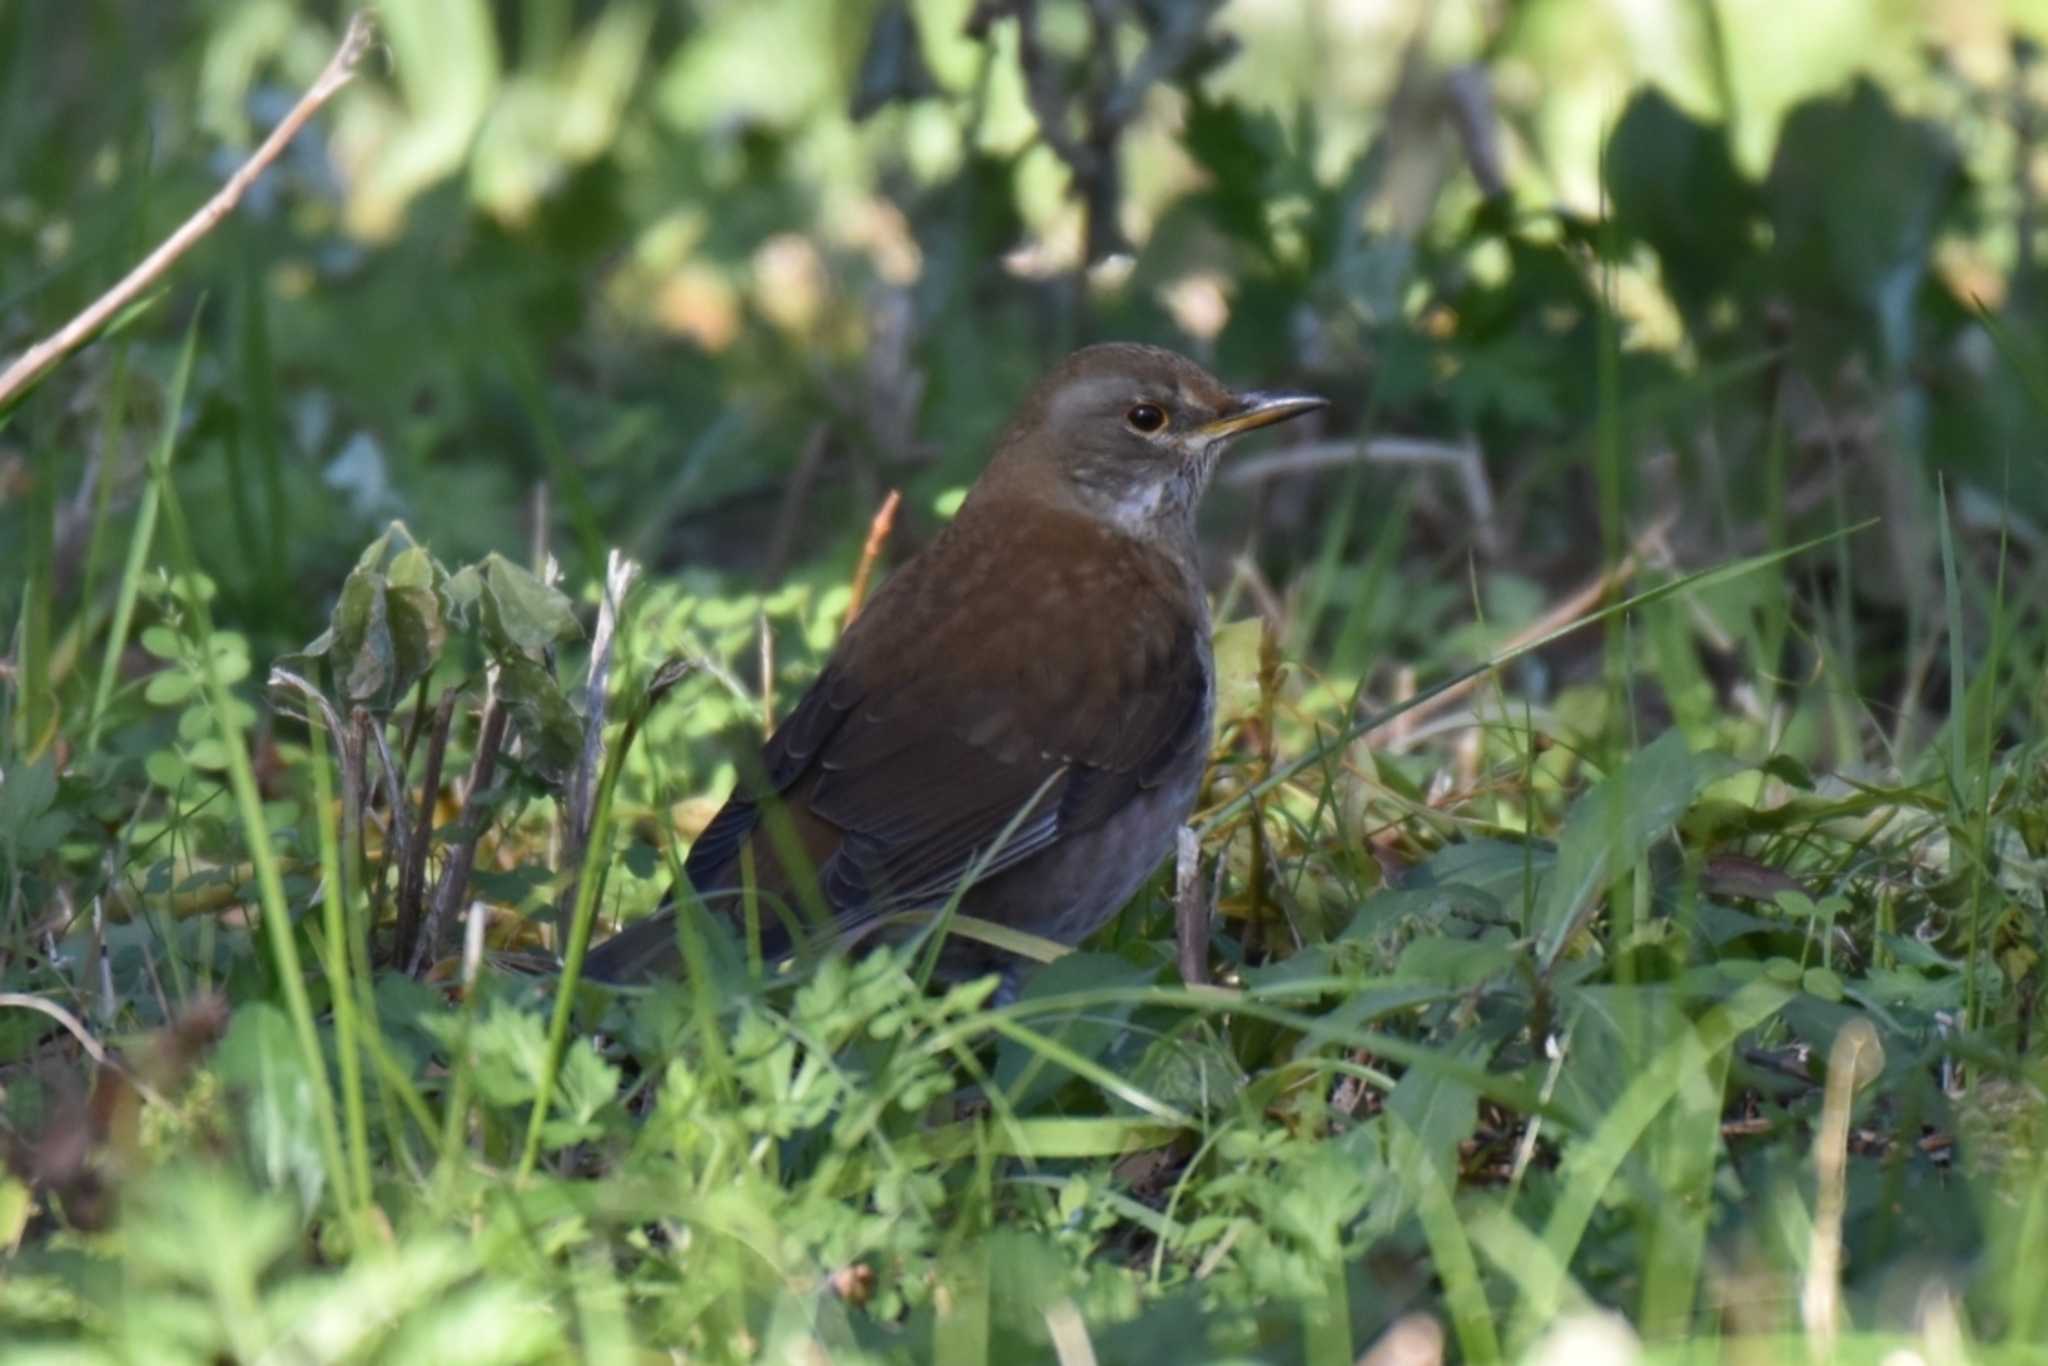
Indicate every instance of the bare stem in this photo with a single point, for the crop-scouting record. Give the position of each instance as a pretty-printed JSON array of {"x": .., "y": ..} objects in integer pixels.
[
  {"x": 619, "y": 576},
  {"x": 412, "y": 878},
  {"x": 455, "y": 877},
  {"x": 878, "y": 536}
]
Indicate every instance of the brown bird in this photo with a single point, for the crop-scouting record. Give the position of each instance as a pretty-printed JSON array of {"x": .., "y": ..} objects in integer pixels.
[{"x": 1042, "y": 668}]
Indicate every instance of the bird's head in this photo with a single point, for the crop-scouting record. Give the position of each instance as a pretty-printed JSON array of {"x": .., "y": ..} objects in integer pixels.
[{"x": 1131, "y": 434}]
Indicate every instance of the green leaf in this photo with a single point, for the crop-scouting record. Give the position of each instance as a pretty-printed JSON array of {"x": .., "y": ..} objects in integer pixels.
[
  {"x": 1674, "y": 184},
  {"x": 31, "y": 825},
  {"x": 1459, "y": 963},
  {"x": 504, "y": 1051},
  {"x": 363, "y": 662},
  {"x": 444, "y": 56},
  {"x": 1026, "y": 1076},
  {"x": 487, "y": 1323},
  {"x": 261, "y": 1062},
  {"x": 1856, "y": 247},
  {"x": 1612, "y": 826},
  {"x": 27, "y": 792},
  {"x": 412, "y": 567},
  {"x": 163, "y": 642},
  {"x": 585, "y": 1086},
  {"x": 541, "y": 713},
  {"x": 168, "y": 687},
  {"x": 1238, "y": 150},
  {"x": 1590, "y": 1163},
  {"x": 16, "y": 1204},
  {"x": 417, "y": 635},
  {"x": 1190, "y": 1070},
  {"x": 1439, "y": 1111},
  {"x": 1825, "y": 983},
  {"x": 199, "y": 1224},
  {"x": 521, "y": 611}
]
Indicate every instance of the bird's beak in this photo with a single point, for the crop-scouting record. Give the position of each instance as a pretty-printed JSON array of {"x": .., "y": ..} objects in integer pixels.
[{"x": 1253, "y": 410}]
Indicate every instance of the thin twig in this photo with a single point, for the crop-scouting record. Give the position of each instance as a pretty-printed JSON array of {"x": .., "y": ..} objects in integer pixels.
[
  {"x": 619, "y": 575},
  {"x": 412, "y": 878},
  {"x": 345, "y": 756},
  {"x": 878, "y": 536},
  {"x": 31, "y": 364},
  {"x": 398, "y": 844},
  {"x": 455, "y": 877},
  {"x": 1463, "y": 459},
  {"x": 413, "y": 728},
  {"x": 1470, "y": 92},
  {"x": 18, "y": 1000}
]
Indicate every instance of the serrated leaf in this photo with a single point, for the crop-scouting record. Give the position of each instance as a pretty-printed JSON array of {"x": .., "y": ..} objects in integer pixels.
[{"x": 584, "y": 1086}]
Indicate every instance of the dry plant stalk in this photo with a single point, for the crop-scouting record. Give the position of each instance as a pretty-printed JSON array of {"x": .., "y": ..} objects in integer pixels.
[
  {"x": 412, "y": 878},
  {"x": 1190, "y": 907},
  {"x": 1855, "y": 1060},
  {"x": 619, "y": 576},
  {"x": 1397, "y": 733},
  {"x": 340, "y": 69},
  {"x": 878, "y": 536},
  {"x": 454, "y": 885}
]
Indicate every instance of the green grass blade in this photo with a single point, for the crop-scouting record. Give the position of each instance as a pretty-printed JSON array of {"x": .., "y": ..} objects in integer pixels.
[
  {"x": 342, "y": 982},
  {"x": 249, "y": 803},
  {"x": 590, "y": 881},
  {"x": 1591, "y": 1164},
  {"x": 1705, "y": 578},
  {"x": 1450, "y": 1249},
  {"x": 140, "y": 538}
]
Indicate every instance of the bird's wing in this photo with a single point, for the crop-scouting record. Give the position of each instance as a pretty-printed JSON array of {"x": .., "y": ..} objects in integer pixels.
[{"x": 929, "y": 733}]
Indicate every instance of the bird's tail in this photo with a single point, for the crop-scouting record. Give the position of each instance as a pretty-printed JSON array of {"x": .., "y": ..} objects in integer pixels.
[{"x": 643, "y": 951}]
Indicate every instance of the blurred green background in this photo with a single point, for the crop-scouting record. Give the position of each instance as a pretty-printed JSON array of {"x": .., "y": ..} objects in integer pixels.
[{"x": 703, "y": 280}]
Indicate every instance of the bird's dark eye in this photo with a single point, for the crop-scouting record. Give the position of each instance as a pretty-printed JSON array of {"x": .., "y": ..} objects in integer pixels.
[{"x": 1146, "y": 417}]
